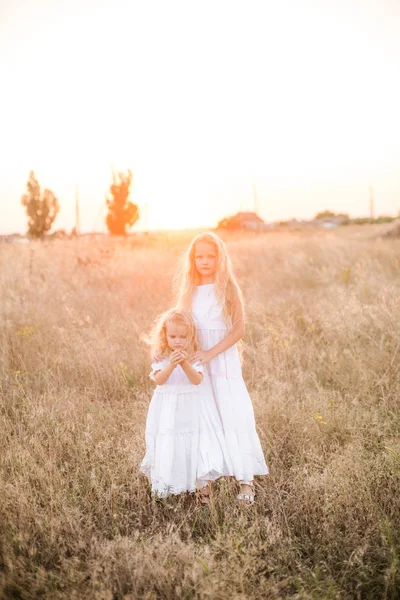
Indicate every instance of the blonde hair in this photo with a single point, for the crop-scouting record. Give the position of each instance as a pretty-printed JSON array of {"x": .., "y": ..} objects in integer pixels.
[
  {"x": 227, "y": 289},
  {"x": 158, "y": 339}
]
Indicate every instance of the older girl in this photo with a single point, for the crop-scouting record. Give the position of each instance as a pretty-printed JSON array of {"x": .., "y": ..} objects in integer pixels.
[{"x": 209, "y": 289}]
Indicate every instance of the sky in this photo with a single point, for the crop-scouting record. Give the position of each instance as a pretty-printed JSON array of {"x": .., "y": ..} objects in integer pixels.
[{"x": 200, "y": 99}]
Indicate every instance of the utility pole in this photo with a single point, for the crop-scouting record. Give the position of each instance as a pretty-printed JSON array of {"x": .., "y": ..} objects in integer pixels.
[
  {"x": 255, "y": 196},
  {"x": 77, "y": 216},
  {"x": 371, "y": 202}
]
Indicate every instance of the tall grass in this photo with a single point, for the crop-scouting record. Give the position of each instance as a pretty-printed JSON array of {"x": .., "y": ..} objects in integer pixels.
[{"x": 322, "y": 359}]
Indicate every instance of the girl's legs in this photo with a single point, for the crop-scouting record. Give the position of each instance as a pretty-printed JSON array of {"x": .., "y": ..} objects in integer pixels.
[
  {"x": 246, "y": 491},
  {"x": 204, "y": 489},
  {"x": 246, "y": 494}
]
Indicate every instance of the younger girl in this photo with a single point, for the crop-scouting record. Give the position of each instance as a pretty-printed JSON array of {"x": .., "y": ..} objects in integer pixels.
[
  {"x": 210, "y": 291},
  {"x": 185, "y": 445}
]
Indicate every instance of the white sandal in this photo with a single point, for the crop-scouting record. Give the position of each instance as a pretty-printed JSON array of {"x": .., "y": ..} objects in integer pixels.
[{"x": 247, "y": 498}]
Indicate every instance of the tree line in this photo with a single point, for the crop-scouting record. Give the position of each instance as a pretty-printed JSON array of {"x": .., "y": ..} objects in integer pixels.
[{"x": 42, "y": 206}]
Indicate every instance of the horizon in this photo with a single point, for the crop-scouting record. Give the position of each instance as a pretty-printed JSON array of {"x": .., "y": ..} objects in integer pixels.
[
  {"x": 141, "y": 225},
  {"x": 135, "y": 229}
]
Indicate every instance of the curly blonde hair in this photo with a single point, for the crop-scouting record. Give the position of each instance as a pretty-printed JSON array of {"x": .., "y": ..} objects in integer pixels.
[
  {"x": 227, "y": 290},
  {"x": 158, "y": 339}
]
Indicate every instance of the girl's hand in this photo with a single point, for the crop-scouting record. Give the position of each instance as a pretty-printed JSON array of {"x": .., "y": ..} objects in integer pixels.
[
  {"x": 176, "y": 357},
  {"x": 201, "y": 356},
  {"x": 156, "y": 358}
]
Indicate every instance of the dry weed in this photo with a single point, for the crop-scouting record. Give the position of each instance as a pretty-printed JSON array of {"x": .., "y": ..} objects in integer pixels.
[{"x": 322, "y": 360}]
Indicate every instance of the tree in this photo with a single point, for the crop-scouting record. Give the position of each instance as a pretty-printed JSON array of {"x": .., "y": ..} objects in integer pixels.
[
  {"x": 122, "y": 212},
  {"x": 41, "y": 209},
  {"x": 325, "y": 214}
]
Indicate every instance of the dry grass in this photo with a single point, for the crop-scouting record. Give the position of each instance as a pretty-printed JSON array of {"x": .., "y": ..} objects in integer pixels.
[{"x": 322, "y": 363}]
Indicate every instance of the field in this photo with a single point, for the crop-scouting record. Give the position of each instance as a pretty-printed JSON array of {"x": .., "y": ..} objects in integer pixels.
[{"x": 322, "y": 363}]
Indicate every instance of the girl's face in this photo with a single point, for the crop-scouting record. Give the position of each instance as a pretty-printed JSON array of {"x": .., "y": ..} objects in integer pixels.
[
  {"x": 205, "y": 259},
  {"x": 177, "y": 336}
]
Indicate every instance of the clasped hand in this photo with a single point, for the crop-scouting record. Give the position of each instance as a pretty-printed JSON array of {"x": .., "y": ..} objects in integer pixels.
[
  {"x": 201, "y": 356},
  {"x": 178, "y": 356}
]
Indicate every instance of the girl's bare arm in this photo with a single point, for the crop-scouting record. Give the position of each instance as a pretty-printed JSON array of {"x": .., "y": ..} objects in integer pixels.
[
  {"x": 160, "y": 377},
  {"x": 237, "y": 333},
  {"x": 230, "y": 340},
  {"x": 193, "y": 375}
]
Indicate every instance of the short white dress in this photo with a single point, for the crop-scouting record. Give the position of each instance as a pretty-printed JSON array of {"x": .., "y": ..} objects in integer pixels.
[
  {"x": 246, "y": 456},
  {"x": 185, "y": 445}
]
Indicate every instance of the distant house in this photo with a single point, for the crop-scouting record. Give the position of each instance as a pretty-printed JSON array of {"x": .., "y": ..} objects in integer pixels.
[
  {"x": 330, "y": 220},
  {"x": 243, "y": 220}
]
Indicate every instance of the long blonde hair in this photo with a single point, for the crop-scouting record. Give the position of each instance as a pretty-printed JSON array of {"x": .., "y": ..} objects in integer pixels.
[
  {"x": 227, "y": 290},
  {"x": 158, "y": 338}
]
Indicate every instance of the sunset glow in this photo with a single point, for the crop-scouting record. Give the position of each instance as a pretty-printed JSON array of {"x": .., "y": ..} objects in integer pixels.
[{"x": 197, "y": 99}]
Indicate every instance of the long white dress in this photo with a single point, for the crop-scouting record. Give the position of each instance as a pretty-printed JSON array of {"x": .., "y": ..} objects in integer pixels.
[
  {"x": 233, "y": 400},
  {"x": 185, "y": 442}
]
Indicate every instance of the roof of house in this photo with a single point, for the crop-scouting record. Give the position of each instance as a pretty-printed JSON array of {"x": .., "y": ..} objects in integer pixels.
[{"x": 248, "y": 216}]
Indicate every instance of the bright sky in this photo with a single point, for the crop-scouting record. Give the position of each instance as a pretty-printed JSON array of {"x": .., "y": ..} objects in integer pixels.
[{"x": 197, "y": 98}]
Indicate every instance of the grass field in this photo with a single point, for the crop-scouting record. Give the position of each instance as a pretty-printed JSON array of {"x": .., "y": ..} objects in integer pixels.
[{"x": 321, "y": 361}]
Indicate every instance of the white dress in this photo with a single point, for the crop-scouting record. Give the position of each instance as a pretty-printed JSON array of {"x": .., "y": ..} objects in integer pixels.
[
  {"x": 184, "y": 437},
  {"x": 234, "y": 403}
]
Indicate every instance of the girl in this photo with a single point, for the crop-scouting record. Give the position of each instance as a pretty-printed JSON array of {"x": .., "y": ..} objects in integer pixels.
[
  {"x": 209, "y": 289},
  {"x": 184, "y": 437}
]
